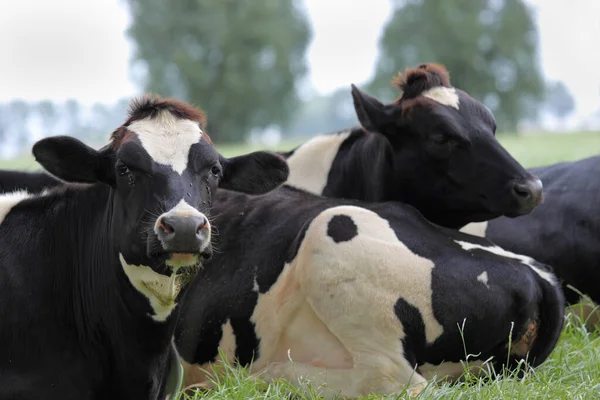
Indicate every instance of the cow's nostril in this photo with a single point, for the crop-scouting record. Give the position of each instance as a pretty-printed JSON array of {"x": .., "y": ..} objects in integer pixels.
[
  {"x": 201, "y": 225},
  {"x": 165, "y": 226},
  {"x": 522, "y": 191}
]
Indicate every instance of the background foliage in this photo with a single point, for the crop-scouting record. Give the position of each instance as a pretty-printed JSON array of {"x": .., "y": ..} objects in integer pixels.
[{"x": 244, "y": 63}]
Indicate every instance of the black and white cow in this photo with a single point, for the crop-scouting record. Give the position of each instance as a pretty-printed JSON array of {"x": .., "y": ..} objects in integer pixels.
[
  {"x": 360, "y": 297},
  {"x": 33, "y": 182},
  {"x": 91, "y": 274},
  {"x": 372, "y": 163},
  {"x": 564, "y": 231},
  {"x": 433, "y": 148}
]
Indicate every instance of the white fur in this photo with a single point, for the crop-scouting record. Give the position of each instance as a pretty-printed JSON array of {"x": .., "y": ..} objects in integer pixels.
[
  {"x": 160, "y": 290},
  {"x": 443, "y": 95},
  {"x": 475, "y": 228},
  {"x": 530, "y": 262},
  {"x": 311, "y": 162},
  {"x": 168, "y": 139},
  {"x": 483, "y": 278},
  {"x": 9, "y": 200},
  {"x": 227, "y": 343}
]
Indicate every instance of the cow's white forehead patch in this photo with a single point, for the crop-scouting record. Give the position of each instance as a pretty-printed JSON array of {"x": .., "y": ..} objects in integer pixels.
[
  {"x": 9, "y": 200},
  {"x": 168, "y": 139},
  {"x": 160, "y": 290},
  {"x": 443, "y": 95},
  {"x": 530, "y": 262}
]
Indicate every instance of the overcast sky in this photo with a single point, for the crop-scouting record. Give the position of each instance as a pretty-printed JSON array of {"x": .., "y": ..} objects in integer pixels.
[{"x": 77, "y": 48}]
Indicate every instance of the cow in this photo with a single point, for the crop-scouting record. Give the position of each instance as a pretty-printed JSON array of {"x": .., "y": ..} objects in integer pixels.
[
  {"x": 359, "y": 297},
  {"x": 93, "y": 272},
  {"x": 33, "y": 182},
  {"x": 372, "y": 163},
  {"x": 564, "y": 231},
  {"x": 442, "y": 130}
]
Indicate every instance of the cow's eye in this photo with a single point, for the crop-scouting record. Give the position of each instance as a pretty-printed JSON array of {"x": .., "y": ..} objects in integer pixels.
[
  {"x": 439, "y": 139},
  {"x": 215, "y": 170},
  {"x": 122, "y": 170}
]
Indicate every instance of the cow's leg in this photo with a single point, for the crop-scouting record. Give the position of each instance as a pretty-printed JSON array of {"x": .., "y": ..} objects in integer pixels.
[{"x": 330, "y": 383}]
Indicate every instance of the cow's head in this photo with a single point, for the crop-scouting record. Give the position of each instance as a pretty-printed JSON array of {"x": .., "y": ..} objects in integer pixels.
[
  {"x": 447, "y": 161},
  {"x": 163, "y": 171}
]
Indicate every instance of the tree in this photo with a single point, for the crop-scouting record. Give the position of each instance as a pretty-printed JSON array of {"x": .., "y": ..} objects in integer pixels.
[
  {"x": 323, "y": 114},
  {"x": 237, "y": 60},
  {"x": 49, "y": 117},
  {"x": 19, "y": 110},
  {"x": 559, "y": 101},
  {"x": 73, "y": 116},
  {"x": 3, "y": 122},
  {"x": 488, "y": 46}
]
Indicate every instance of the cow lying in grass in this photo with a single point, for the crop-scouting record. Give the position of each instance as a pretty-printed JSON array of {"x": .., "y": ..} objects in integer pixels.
[
  {"x": 90, "y": 275},
  {"x": 370, "y": 163},
  {"x": 360, "y": 297}
]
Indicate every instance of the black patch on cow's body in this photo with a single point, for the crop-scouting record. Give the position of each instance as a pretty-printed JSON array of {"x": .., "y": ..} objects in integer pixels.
[
  {"x": 33, "y": 182},
  {"x": 414, "y": 329},
  {"x": 246, "y": 341},
  {"x": 341, "y": 228}
]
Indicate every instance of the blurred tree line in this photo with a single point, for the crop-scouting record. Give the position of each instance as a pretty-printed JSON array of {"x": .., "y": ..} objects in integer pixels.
[
  {"x": 490, "y": 48},
  {"x": 243, "y": 63},
  {"x": 21, "y": 122}
]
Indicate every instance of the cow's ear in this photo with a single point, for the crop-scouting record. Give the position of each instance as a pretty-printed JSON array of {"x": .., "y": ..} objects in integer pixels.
[
  {"x": 71, "y": 160},
  {"x": 373, "y": 115},
  {"x": 254, "y": 173}
]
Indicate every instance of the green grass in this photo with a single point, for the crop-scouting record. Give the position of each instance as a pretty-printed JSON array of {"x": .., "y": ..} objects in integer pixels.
[
  {"x": 542, "y": 149},
  {"x": 573, "y": 370}
]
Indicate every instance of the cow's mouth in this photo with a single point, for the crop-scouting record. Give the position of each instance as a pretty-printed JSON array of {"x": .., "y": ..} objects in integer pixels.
[{"x": 178, "y": 260}]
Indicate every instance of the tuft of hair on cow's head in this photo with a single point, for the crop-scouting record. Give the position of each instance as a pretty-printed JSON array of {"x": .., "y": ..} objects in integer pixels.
[
  {"x": 163, "y": 171},
  {"x": 444, "y": 138}
]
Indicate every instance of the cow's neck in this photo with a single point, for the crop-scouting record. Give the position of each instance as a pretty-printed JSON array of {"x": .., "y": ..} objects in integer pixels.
[
  {"x": 110, "y": 314},
  {"x": 362, "y": 168},
  {"x": 350, "y": 164}
]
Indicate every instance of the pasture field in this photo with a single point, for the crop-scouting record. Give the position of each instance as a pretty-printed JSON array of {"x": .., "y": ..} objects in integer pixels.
[{"x": 573, "y": 370}]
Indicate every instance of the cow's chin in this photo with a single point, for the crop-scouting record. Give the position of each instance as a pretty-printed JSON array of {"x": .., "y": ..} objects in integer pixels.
[{"x": 181, "y": 260}]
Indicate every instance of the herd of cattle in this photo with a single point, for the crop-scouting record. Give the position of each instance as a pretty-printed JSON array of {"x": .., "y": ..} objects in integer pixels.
[{"x": 367, "y": 261}]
